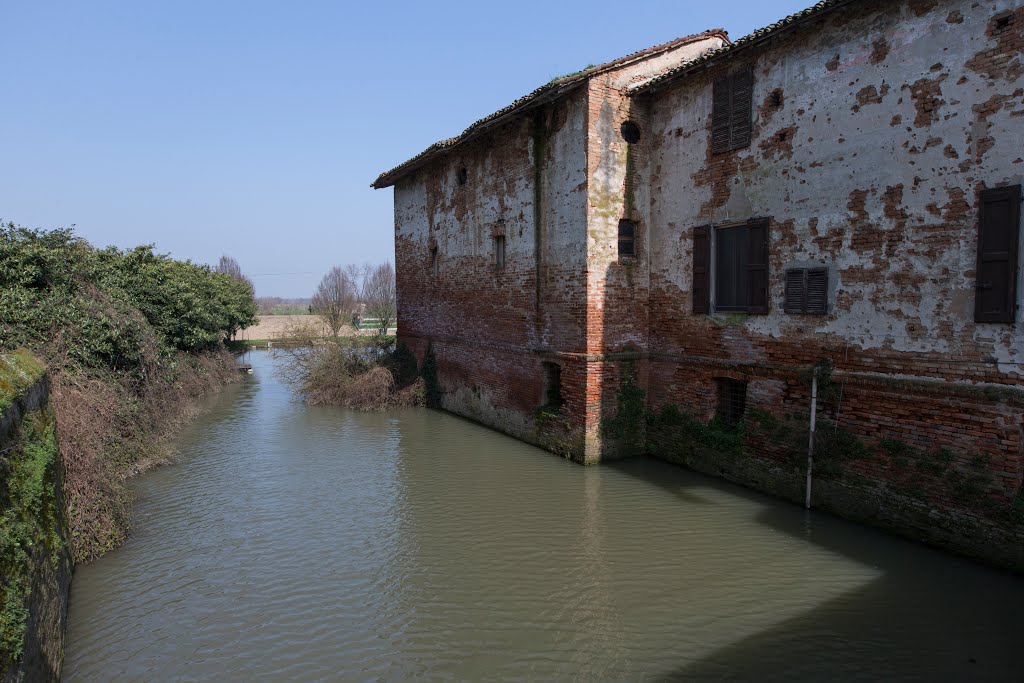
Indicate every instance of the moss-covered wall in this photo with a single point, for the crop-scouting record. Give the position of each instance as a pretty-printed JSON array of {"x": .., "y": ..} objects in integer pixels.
[
  {"x": 894, "y": 474},
  {"x": 35, "y": 559}
]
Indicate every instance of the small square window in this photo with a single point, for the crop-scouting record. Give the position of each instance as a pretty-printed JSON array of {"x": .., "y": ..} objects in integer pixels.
[
  {"x": 552, "y": 385},
  {"x": 627, "y": 237},
  {"x": 732, "y": 401},
  {"x": 499, "y": 251},
  {"x": 806, "y": 291}
]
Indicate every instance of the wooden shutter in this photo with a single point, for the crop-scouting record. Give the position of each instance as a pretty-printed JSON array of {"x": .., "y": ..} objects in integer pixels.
[
  {"x": 721, "y": 99},
  {"x": 817, "y": 291},
  {"x": 741, "y": 108},
  {"x": 757, "y": 266},
  {"x": 995, "y": 299},
  {"x": 701, "y": 272},
  {"x": 796, "y": 288}
]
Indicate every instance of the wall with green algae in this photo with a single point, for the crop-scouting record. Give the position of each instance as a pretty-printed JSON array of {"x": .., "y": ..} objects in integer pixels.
[
  {"x": 931, "y": 494},
  {"x": 35, "y": 559}
]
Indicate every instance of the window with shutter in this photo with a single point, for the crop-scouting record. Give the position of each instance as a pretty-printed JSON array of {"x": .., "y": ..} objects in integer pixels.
[
  {"x": 757, "y": 266},
  {"x": 731, "y": 291},
  {"x": 817, "y": 291},
  {"x": 741, "y": 108},
  {"x": 806, "y": 291},
  {"x": 701, "y": 272},
  {"x": 796, "y": 291},
  {"x": 995, "y": 299},
  {"x": 741, "y": 267},
  {"x": 731, "y": 111}
]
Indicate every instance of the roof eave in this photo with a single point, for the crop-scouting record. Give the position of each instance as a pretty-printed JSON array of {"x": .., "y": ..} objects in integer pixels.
[
  {"x": 730, "y": 51},
  {"x": 389, "y": 178},
  {"x": 573, "y": 82}
]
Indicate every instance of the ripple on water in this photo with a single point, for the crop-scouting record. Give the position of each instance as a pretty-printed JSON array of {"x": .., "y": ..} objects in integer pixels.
[{"x": 310, "y": 543}]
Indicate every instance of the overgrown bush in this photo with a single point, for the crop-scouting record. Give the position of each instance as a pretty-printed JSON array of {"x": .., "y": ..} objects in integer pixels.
[
  {"x": 131, "y": 339},
  {"x": 364, "y": 373}
]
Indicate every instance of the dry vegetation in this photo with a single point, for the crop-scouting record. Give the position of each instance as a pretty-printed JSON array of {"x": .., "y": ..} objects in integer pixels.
[
  {"x": 132, "y": 340},
  {"x": 109, "y": 431},
  {"x": 363, "y": 373}
]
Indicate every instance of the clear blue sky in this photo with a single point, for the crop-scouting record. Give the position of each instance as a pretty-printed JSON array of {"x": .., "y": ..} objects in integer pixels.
[{"x": 255, "y": 128}]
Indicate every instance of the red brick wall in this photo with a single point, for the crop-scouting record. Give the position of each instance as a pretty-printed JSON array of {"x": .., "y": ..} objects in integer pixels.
[{"x": 492, "y": 328}]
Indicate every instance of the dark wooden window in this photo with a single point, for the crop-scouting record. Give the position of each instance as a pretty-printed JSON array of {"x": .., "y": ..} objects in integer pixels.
[
  {"x": 627, "y": 238},
  {"x": 732, "y": 401},
  {"x": 806, "y": 291},
  {"x": 741, "y": 267},
  {"x": 731, "y": 111},
  {"x": 499, "y": 251},
  {"x": 730, "y": 269},
  {"x": 995, "y": 299}
]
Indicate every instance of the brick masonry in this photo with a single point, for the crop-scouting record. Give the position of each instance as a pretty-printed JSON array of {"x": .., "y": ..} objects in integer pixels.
[{"x": 875, "y": 127}]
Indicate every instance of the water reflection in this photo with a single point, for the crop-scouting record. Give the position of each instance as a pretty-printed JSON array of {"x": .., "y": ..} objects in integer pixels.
[{"x": 317, "y": 544}]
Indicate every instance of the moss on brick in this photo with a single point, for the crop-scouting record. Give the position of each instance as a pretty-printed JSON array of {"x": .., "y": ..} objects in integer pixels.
[
  {"x": 29, "y": 520},
  {"x": 19, "y": 370}
]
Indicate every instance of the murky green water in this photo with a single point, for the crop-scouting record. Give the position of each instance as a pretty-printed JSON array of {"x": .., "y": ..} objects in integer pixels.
[{"x": 297, "y": 543}]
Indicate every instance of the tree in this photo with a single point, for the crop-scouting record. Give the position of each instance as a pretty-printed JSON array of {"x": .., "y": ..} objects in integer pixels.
[
  {"x": 229, "y": 266},
  {"x": 240, "y": 296},
  {"x": 335, "y": 299},
  {"x": 380, "y": 296}
]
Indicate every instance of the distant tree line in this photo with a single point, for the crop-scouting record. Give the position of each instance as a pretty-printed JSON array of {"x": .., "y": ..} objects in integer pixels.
[{"x": 276, "y": 305}]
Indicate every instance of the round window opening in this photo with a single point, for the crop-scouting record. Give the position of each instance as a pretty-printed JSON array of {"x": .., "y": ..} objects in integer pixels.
[{"x": 630, "y": 132}]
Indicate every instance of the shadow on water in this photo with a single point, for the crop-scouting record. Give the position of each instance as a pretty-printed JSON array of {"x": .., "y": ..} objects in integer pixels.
[
  {"x": 927, "y": 615},
  {"x": 313, "y": 543}
]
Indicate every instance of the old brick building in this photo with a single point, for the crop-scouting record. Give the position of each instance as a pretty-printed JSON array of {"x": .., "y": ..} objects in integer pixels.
[{"x": 656, "y": 254}]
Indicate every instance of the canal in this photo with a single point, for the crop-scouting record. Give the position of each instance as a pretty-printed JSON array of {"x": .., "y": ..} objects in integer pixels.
[{"x": 313, "y": 543}]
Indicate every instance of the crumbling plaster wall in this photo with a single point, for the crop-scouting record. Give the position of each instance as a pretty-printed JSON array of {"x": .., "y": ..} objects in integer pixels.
[
  {"x": 490, "y": 327},
  {"x": 893, "y": 116},
  {"x": 617, "y": 288},
  {"x": 614, "y": 194},
  {"x": 874, "y": 130}
]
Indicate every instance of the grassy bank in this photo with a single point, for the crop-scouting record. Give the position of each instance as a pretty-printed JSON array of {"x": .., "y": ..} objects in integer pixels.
[{"x": 132, "y": 340}]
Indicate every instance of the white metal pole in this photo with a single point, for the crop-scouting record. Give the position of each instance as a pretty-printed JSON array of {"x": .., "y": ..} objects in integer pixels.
[{"x": 810, "y": 439}]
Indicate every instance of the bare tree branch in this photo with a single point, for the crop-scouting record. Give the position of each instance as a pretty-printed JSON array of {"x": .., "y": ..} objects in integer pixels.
[
  {"x": 380, "y": 297},
  {"x": 336, "y": 298}
]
